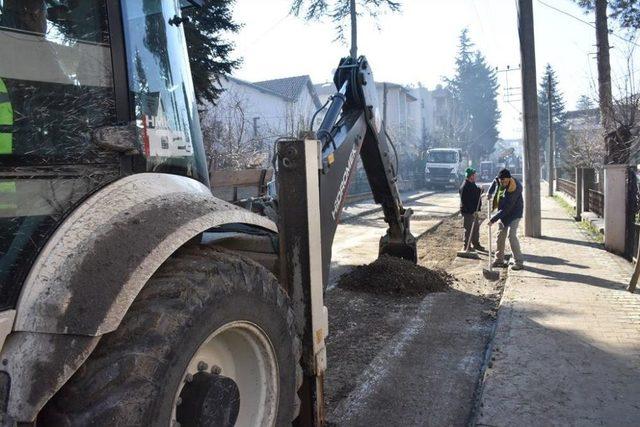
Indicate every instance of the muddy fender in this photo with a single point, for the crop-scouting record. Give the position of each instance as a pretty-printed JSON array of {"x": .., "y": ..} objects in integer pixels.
[{"x": 95, "y": 264}]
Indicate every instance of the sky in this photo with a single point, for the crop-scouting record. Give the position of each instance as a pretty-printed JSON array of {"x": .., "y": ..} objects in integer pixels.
[{"x": 419, "y": 44}]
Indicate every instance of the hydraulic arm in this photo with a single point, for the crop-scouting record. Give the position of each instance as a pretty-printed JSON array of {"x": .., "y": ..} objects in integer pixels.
[
  {"x": 313, "y": 178},
  {"x": 352, "y": 125}
]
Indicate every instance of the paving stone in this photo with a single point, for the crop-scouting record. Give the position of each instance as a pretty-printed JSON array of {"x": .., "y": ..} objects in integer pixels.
[{"x": 568, "y": 334}]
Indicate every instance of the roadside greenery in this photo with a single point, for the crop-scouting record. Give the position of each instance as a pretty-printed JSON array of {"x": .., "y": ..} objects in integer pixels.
[{"x": 591, "y": 231}]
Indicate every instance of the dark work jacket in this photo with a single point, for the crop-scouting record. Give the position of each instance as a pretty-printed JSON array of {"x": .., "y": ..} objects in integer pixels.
[
  {"x": 469, "y": 197},
  {"x": 511, "y": 206}
]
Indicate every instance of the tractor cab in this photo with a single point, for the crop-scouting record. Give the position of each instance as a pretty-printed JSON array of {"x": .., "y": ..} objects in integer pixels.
[{"x": 90, "y": 91}]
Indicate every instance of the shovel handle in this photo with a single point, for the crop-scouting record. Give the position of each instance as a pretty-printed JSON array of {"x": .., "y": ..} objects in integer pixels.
[{"x": 490, "y": 238}]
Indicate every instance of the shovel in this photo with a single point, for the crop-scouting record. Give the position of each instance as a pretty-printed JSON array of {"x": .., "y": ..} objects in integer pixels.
[
  {"x": 467, "y": 253},
  {"x": 489, "y": 273}
]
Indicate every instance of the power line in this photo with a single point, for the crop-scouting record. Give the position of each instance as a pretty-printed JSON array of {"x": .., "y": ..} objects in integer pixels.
[
  {"x": 507, "y": 93},
  {"x": 583, "y": 21},
  {"x": 268, "y": 30}
]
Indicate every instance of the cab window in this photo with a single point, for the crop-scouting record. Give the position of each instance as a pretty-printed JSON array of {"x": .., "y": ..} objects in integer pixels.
[
  {"x": 56, "y": 80},
  {"x": 161, "y": 88}
]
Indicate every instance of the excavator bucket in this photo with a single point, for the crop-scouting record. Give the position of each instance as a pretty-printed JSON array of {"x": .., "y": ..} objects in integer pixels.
[
  {"x": 400, "y": 249},
  {"x": 399, "y": 242}
]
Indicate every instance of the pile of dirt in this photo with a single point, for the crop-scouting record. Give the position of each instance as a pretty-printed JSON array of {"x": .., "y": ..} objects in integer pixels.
[{"x": 394, "y": 276}]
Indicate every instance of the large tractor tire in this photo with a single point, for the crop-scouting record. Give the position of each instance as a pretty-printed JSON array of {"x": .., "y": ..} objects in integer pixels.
[{"x": 210, "y": 340}]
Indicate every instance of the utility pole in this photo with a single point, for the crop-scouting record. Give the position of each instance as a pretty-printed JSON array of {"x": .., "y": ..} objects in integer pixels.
[
  {"x": 532, "y": 225},
  {"x": 551, "y": 162},
  {"x": 354, "y": 30}
]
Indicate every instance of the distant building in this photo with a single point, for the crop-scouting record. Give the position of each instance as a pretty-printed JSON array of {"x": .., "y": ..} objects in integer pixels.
[
  {"x": 251, "y": 116},
  {"x": 439, "y": 108},
  {"x": 413, "y": 115},
  {"x": 301, "y": 95},
  {"x": 400, "y": 109},
  {"x": 581, "y": 120},
  {"x": 270, "y": 108}
]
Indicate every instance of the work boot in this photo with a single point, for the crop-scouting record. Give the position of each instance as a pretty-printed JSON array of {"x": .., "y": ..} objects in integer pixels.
[
  {"x": 517, "y": 266},
  {"x": 479, "y": 247},
  {"x": 499, "y": 264},
  {"x": 464, "y": 249}
]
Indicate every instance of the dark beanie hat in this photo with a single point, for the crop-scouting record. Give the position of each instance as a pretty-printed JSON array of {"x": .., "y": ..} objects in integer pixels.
[{"x": 504, "y": 173}]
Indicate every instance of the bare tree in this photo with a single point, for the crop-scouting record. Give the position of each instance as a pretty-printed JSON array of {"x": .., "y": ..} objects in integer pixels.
[
  {"x": 618, "y": 117},
  {"x": 585, "y": 148},
  {"x": 234, "y": 138},
  {"x": 227, "y": 143},
  {"x": 625, "y": 113}
]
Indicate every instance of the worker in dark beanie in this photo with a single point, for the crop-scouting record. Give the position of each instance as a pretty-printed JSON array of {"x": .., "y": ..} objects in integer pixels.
[
  {"x": 470, "y": 205},
  {"x": 506, "y": 193}
]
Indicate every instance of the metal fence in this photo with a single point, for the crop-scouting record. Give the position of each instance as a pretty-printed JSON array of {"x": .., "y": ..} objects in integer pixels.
[
  {"x": 566, "y": 186},
  {"x": 359, "y": 186},
  {"x": 596, "y": 202}
]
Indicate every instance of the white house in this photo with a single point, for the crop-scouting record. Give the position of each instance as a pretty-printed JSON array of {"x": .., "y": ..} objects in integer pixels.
[
  {"x": 270, "y": 108},
  {"x": 301, "y": 96},
  {"x": 249, "y": 117}
]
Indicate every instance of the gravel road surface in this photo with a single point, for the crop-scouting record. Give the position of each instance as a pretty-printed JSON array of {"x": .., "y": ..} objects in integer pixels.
[{"x": 408, "y": 360}]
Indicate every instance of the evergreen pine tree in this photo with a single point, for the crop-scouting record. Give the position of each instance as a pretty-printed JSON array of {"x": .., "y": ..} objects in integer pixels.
[
  {"x": 558, "y": 112},
  {"x": 209, "y": 52},
  {"x": 585, "y": 103},
  {"x": 474, "y": 90},
  {"x": 626, "y": 12}
]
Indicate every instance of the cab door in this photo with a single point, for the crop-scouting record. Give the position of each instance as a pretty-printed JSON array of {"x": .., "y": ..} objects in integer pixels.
[{"x": 56, "y": 86}]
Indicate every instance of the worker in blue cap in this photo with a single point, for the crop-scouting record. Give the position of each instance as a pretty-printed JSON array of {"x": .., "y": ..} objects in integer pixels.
[{"x": 470, "y": 205}]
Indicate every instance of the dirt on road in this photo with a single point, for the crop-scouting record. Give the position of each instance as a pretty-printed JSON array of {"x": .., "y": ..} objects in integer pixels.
[
  {"x": 395, "y": 276},
  {"x": 396, "y": 354}
]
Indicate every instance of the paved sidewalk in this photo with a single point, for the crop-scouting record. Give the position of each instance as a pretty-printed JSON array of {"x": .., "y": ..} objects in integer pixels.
[{"x": 567, "y": 344}]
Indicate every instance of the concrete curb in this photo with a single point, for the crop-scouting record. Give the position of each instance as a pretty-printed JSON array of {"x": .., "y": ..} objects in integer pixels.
[
  {"x": 595, "y": 221},
  {"x": 587, "y": 217}
]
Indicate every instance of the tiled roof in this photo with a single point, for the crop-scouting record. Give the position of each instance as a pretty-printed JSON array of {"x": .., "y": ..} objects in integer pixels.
[
  {"x": 290, "y": 87},
  {"x": 257, "y": 87}
]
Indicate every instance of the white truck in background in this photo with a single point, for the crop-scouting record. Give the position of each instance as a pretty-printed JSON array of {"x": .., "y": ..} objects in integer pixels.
[{"x": 444, "y": 167}]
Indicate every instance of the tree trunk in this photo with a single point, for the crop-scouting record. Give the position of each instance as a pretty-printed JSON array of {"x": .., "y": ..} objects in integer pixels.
[
  {"x": 354, "y": 31},
  {"x": 604, "y": 75}
]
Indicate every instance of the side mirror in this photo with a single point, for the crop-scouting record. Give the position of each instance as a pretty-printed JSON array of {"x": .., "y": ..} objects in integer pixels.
[{"x": 121, "y": 138}]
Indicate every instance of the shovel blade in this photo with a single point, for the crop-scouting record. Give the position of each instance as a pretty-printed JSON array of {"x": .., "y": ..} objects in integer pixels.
[{"x": 490, "y": 274}]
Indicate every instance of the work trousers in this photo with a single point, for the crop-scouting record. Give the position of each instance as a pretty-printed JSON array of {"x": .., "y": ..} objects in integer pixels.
[
  {"x": 512, "y": 231},
  {"x": 471, "y": 221}
]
